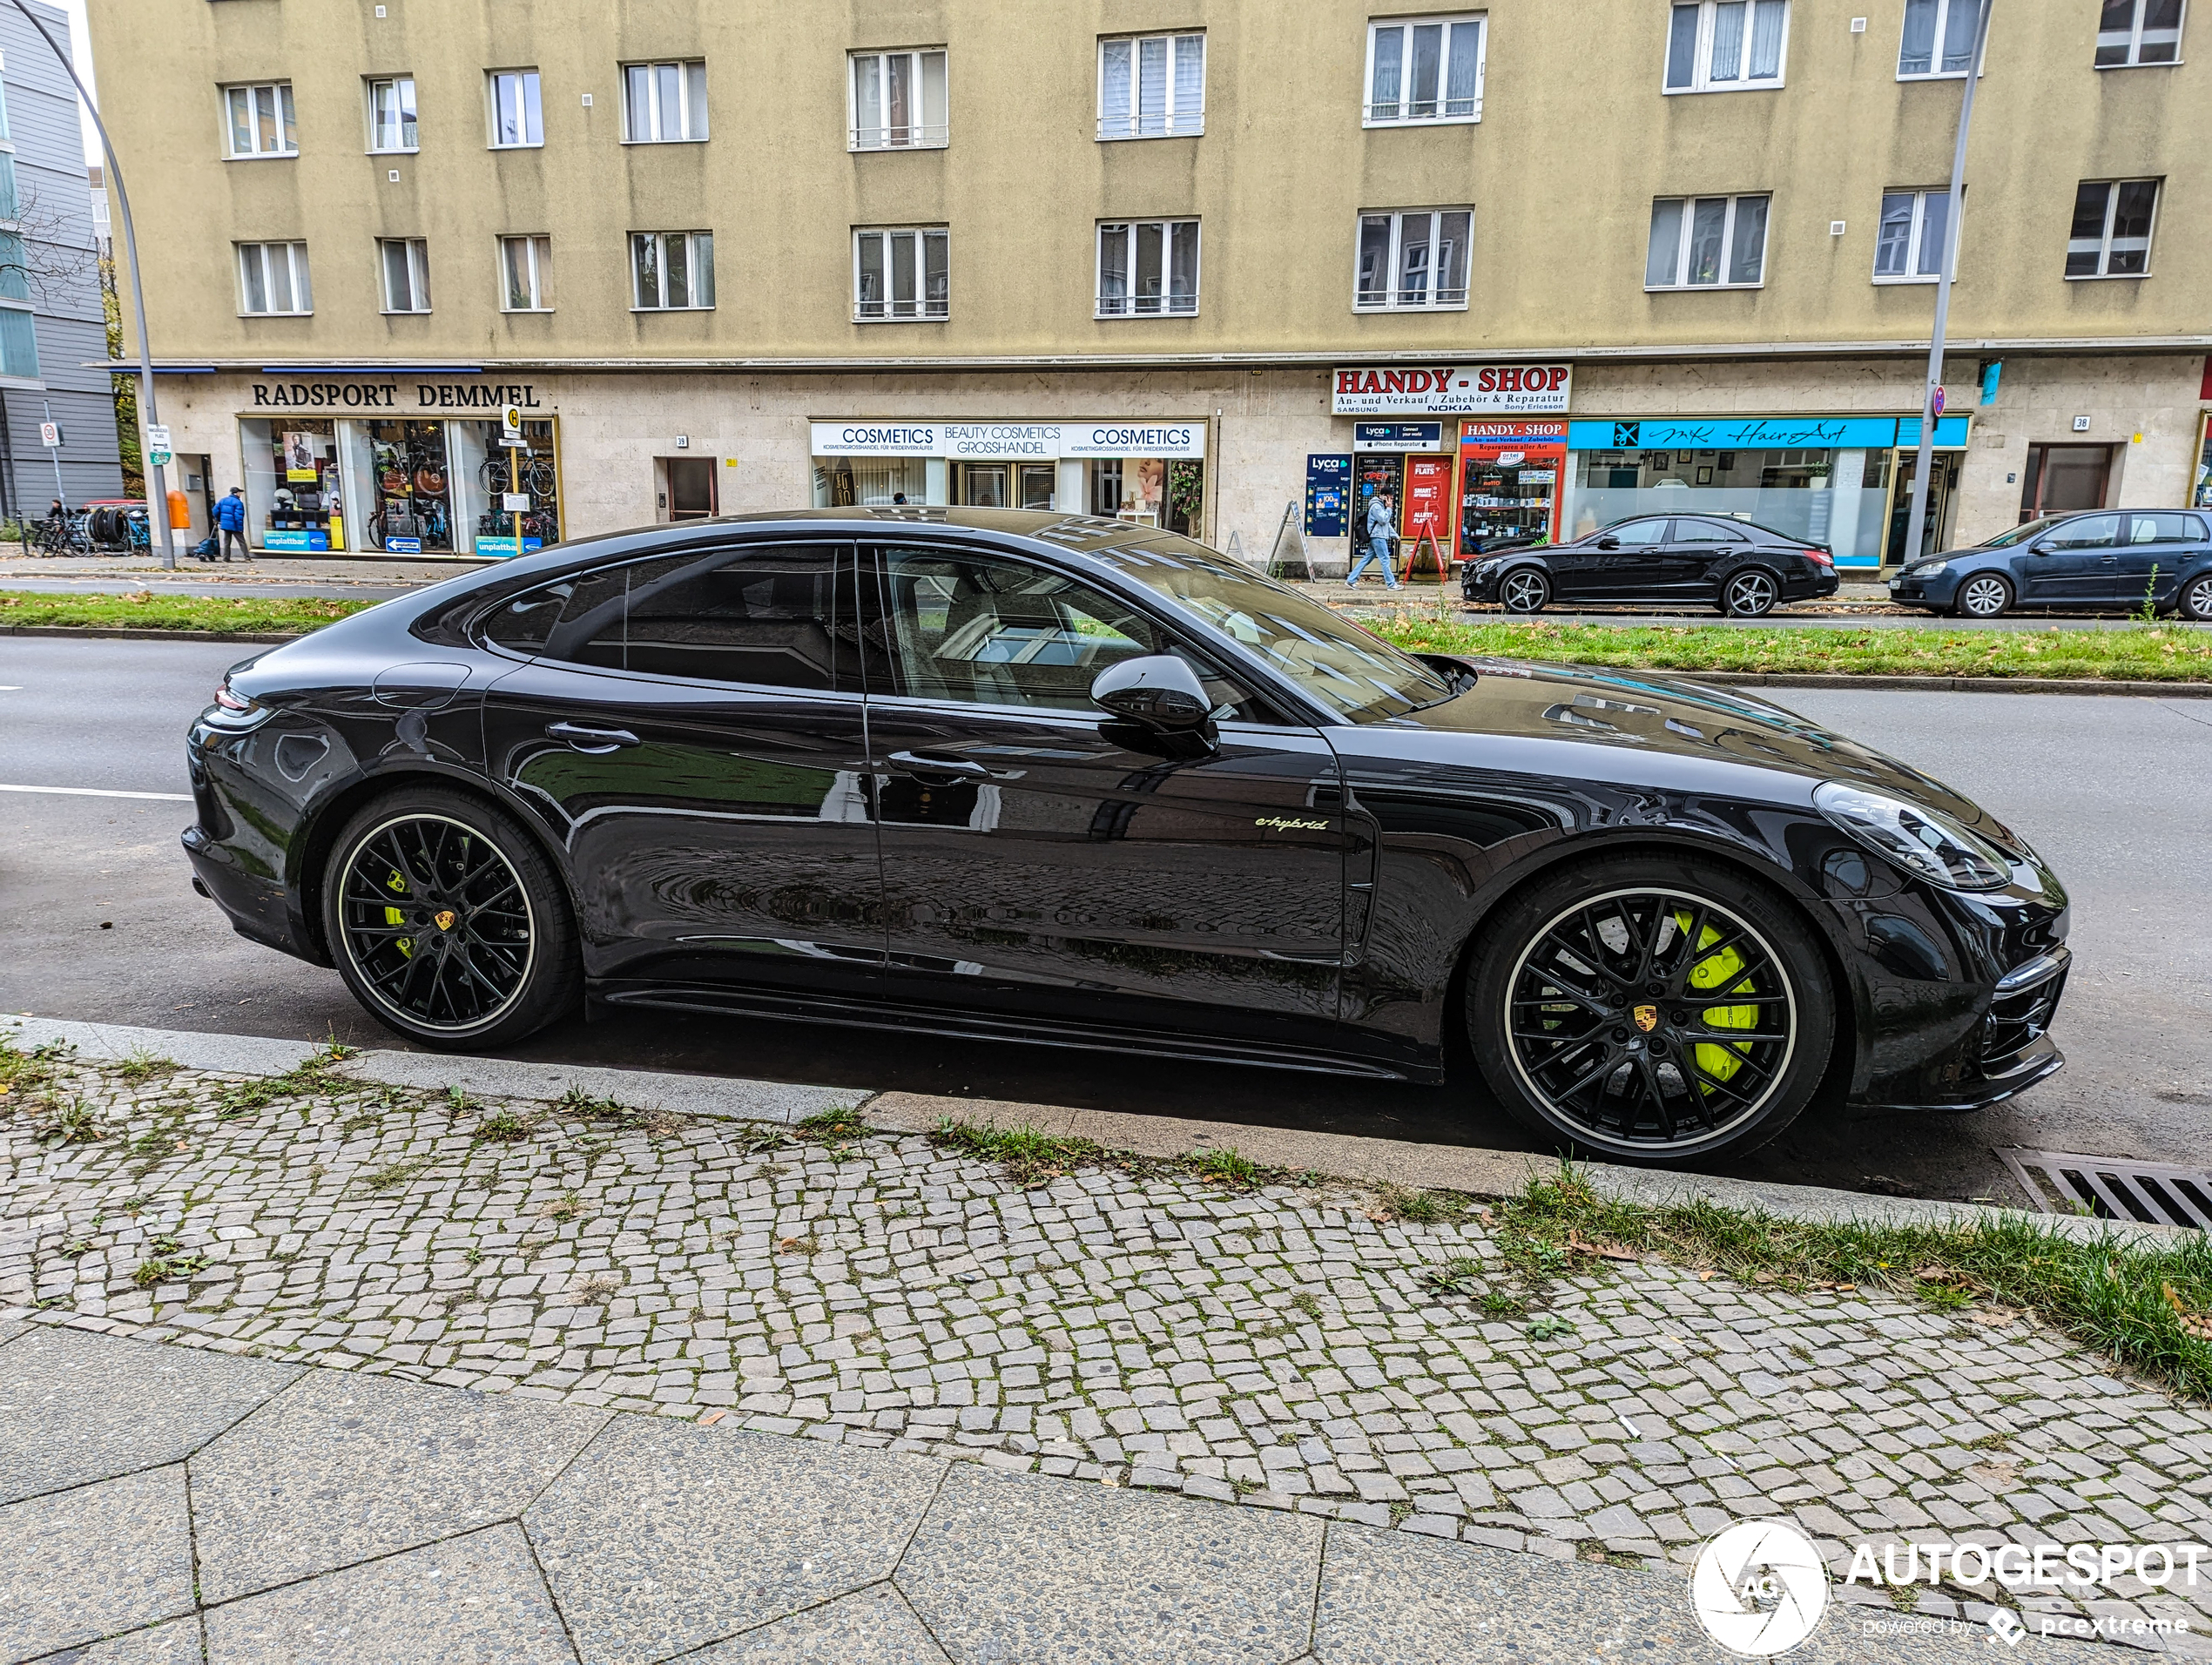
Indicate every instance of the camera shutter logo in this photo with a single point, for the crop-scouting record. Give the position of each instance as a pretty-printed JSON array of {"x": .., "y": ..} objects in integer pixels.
[{"x": 1758, "y": 1587}]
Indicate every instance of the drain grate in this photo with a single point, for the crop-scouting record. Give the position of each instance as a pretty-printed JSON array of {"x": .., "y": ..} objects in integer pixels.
[{"x": 2113, "y": 1188}]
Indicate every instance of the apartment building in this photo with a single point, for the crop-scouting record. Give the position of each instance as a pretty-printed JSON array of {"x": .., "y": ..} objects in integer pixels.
[{"x": 1215, "y": 263}]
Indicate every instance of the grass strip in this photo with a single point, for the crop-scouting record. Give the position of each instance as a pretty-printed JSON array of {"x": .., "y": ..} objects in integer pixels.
[{"x": 142, "y": 609}]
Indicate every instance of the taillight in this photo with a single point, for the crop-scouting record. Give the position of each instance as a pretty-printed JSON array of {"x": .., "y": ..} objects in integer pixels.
[{"x": 1820, "y": 556}]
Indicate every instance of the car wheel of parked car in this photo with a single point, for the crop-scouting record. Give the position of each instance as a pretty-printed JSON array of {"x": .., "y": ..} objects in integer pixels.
[
  {"x": 1651, "y": 1009},
  {"x": 447, "y": 922},
  {"x": 1984, "y": 596},
  {"x": 1525, "y": 590},
  {"x": 1750, "y": 594},
  {"x": 2197, "y": 599}
]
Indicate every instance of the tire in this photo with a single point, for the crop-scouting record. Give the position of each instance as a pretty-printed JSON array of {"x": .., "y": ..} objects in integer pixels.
[
  {"x": 1751, "y": 593},
  {"x": 1983, "y": 594},
  {"x": 447, "y": 922},
  {"x": 1571, "y": 1016},
  {"x": 2196, "y": 599},
  {"x": 1524, "y": 589}
]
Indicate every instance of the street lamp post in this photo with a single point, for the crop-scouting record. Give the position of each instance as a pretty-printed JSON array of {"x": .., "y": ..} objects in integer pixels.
[
  {"x": 1933, "y": 388},
  {"x": 157, "y": 480}
]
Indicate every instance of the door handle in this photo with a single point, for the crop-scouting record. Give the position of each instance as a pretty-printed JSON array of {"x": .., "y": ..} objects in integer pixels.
[
  {"x": 593, "y": 742},
  {"x": 915, "y": 763}
]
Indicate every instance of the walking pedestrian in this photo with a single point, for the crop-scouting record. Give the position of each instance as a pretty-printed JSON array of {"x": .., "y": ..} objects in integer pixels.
[
  {"x": 1381, "y": 535},
  {"x": 230, "y": 524}
]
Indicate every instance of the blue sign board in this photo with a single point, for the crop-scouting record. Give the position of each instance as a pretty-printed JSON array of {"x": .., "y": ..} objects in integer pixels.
[
  {"x": 1398, "y": 436},
  {"x": 503, "y": 548},
  {"x": 288, "y": 539},
  {"x": 1760, "y": 434},
  {"x": 403, "y": 546},
  {"x": 1328, "y": 486}
]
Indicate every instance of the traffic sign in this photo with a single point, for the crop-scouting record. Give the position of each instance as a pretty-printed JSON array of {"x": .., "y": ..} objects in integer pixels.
[
  {"x": 50, "y": 435},
  {"x": 157, "y": 436},
  {"x": 511, "y": 421},
  {"x": 161, "y": 459},
  {"x": 1939, "y": 401}
]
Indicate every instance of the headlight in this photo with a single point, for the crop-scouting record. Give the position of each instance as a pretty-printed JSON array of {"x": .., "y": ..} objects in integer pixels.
[
  {"x": 1934, "y": 570},
  {"x": 1924, "y": 842}
]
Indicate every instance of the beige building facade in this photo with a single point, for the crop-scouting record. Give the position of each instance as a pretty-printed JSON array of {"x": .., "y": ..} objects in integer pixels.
[{"x": 1228, "y": 265}]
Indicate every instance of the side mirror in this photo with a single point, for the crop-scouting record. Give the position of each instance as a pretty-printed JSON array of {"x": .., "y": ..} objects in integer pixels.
[
  {"x": 1158, "y": 691},
  {"x": 1608, "y": 543},
  {"x": 2039, "y": 548}
]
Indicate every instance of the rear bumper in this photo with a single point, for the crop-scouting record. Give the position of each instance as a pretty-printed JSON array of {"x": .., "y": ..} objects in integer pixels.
[{"x": 257, "y": 907}]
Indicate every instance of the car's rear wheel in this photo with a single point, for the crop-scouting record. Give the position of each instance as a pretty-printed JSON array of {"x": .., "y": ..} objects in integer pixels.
[
  {"x": 2195, "y": 601},
  {"x": 1750, "y": 594},
  {"x": 1524, "y": 589},
  {"x": 447, "y": 922},
  {"x": 1652, "y": 1010},
  {"x": 1983, "y": 595}
]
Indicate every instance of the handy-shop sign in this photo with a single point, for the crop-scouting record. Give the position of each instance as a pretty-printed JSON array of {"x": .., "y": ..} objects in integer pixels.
[
  {"x": 1451, "y": 389},
  {"x": 991, "y": 442},
  {"x": 395, "y": 395}
]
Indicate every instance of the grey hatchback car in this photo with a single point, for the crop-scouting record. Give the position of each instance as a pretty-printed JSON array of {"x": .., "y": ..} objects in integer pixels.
[{"x": 2105, "y": 559}]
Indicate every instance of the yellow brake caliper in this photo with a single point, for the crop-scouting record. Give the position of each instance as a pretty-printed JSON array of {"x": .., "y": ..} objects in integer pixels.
[
  {"x": 1714, "y": 974},
  {"x": 393, "y": 916}
]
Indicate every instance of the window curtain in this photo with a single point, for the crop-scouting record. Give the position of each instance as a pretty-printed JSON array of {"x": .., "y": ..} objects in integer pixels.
[
  {"x": 1114, "y": 90},
  {"x": 1151, "y": 86},
  {"x": 1663, "y": 265},
  {"x": 1916, "y": 51},
  {"x": 1464, "y": 75},
  {"x": 1189, "y": 81},
  {"x": 1390, "y": 50},
  {"x": 640, "y": 101},
  {"x": 1728, "y": 40},
  {"x": 1958, "y": 34},
  {"x": 1428, "y": 55},
  {"x": 1767, "y": 17},
  {"x": 1113, "y": 268},
  {"x": 1935, "y": 226},
  {"x": 868, "y": 103}
]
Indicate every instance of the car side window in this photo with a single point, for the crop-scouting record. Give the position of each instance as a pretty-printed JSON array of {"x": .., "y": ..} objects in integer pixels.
[
  {"x": 1639, "y": 534},
  {"x": 2090, "y": 532},
  {"x": 2167, "y": 526},
  {"x": 1692, "y": 531}
]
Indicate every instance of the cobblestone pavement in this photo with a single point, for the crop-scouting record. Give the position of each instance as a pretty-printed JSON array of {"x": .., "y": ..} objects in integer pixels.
[{"x": 1276, "y": 1347}]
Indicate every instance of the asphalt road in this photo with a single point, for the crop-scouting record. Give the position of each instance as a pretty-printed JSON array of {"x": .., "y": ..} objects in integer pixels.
[{"x": 98, "y": 922}]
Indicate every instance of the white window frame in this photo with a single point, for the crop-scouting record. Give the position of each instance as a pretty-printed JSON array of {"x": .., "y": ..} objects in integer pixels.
[
  {"x": 690, "y": 103},
  {"x": 2133, "y": 40},
  {"x": 691, "y": 241},
  {"x": 920, "y": 135},
  {"x": 1398, "y": 217},
  {"x": 281, "y": 98},
  {"x": 1702, "y": 79},
  {"x": 1915, "y": 235},
  {"x": 2104, "y": 240},
  {"x": 920, "y": 308},
  {"x": 1728, "y": 243},
  {"x": 417, "y": 256},
  {"x": 1131, "y": 304},
  {"x": 295, "y": 259},
  {"x": 537, "y": 253},
  {"x": 1935, "y": 71},
  {"x": 409, "y": 115},
  {"x": 1115, "y": 125},
  {"x": 524, "y": 81},
  {"x": 1401, "y": 112}
]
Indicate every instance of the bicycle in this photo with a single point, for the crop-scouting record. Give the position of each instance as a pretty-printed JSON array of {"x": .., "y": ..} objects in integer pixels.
[{"x": 66, "y": 535}]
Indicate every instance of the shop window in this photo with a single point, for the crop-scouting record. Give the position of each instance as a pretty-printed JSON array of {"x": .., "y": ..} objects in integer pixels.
[
  {"x": 1726, "y": 45},
  {"x": 391, "y": 114},
  {"x": 526, "y": 270},
  {"x": 1424, "y": 70},
  {"x": 405, "y": 264},
  {"x": 870, "y": 482},
  {"x": 664, "y": 103},
  {"x": 272, "y": 279},
  {"x": 517, "y": 119},
  {"x": 671, "y": 270},
  {"x": 2139, "y": 32},
  {"x": 2110, "y": 237},
  {"x": 492, "y": 466},
  {"x": 1909, "y": 244},
  {"x": 1707, "y": 243},
  {"x": 1414, "y": 260},
  {"x": 899, "y": 274},
  {"x": 291, "y": 492},
  {"x": 1152, "y": 87},
  {"x": 259, "y": 120},
  {"x": 408, "y": 484},
  {"x": 1939, "y": 38},
  {"x": 898, "y": 101},
  {"x": 1148, "y": 266},
  {"x": 18, "y": 343}
]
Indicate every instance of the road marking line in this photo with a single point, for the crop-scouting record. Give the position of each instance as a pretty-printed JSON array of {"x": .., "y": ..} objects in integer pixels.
[{"x": 99, "y": 791}]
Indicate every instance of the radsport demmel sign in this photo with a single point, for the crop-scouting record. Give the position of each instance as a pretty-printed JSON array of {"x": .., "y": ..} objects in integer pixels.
[{"x": 1451, "y": 389}]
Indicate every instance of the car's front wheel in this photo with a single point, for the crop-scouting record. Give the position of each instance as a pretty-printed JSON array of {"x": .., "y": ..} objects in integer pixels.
[
  {"x": 1750, "y": 594},
  {"x": 1983, "y": 594},
  {"x": 1524, "y": 589},
  {"x": 447, "y": 922},
  {"x": 1651, "y": 1010},
  {"x": 2195, "y": 600}
]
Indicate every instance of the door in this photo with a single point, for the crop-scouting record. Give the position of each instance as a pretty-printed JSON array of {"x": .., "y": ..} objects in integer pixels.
[
  {"x": 690, "y": 487},
  {"x": 1698, "y": 556},
  {"x": 692, "y": 730},
  {"x": 984, "y": 485},
  {"x": 1618, "y": 563},
  {"x": 1038, "y": 482},
  {"x": 2076, "y": 563},
  {"x": 1038, "y": 858},
  {"x": 2064, "y": 479},
  {"x": 1943, "y": 476},
  {"x": 2159, "y": 542}
]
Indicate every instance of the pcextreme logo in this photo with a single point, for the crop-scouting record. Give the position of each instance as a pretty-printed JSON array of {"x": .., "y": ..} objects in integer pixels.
[{"x": 1290, "y": 824}]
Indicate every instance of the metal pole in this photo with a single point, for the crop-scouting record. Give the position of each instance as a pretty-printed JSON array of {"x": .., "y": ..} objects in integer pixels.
[
  {"x": 149, "y": 411},
  {"x": 1917, "y": 524},
  {"x": 61, "y": 496}
]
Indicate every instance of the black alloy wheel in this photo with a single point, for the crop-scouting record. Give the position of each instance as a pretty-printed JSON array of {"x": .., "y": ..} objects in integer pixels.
[
  {"x": 2195, "y": 601},
  {"x": 446, "y": 921},
  {"x": 1524, "y": 589},
  {"x": 1983, "y": 595},
  {"x": 1751, "y": 593},
  {"x": 1652, "y": 1009}
]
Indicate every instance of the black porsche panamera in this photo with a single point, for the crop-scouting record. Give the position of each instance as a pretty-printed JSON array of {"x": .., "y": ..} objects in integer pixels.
[{"x": 1062, "y": 780}]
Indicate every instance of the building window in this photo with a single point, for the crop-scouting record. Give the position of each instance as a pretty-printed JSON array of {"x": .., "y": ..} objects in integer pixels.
[
  {"x": 664, "y": 103},
  {"x": 1152, "y": 86},
  {"x": 1707, "y": 243},
  {"x": 272, "y": 279},
  {"x": 2139, "y": 32},
  {"x": 526, "y": 272},
  {"x": 18, "y": 344},
  {"x": 15, "y": 266},
  {"x": 1414, "y": 260},
  {"x": 1424, "y": 69},
  {"x": 405, "y": 262},
  {"x": 899, "y": 274},
  {"x": 260, "y": 120},
  {"x": 1726, "y": 45},
  {"x": 2111, "y": 232},
  {"x": 1938, "y": 38},
  {"x": 1909, "y": 245},
  {"x": 391, "y": 114},
  {"x": 671, "y": 270},
  {"x": 1148, "y": 266},
  {"x": 898, "y": 101},
  {"x": 517, "y": 121}
]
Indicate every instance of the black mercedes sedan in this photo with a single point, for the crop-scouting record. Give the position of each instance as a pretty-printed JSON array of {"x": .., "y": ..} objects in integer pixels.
[
  {"x": 2104, "y": 561},
  {"x": 1732, "y": 566},
  {"x": 1054, "y": 779}
]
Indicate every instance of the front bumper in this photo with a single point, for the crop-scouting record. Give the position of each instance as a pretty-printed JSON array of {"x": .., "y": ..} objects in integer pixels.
[{"x": 1909, "y": 591}]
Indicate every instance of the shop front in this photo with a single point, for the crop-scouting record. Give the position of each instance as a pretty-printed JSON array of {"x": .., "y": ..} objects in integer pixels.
[
  {"x": 2201, "y": 492},
  {"x": 1409, "y": 465},
  {"x": 1510, "y": 474}
]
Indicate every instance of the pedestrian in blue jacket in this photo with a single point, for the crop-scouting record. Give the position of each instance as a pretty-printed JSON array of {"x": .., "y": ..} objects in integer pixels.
[{"x": 230, "y": 521}]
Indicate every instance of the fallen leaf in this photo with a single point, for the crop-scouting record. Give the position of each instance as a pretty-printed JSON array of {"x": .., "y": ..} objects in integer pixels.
[
  {"x": 1602, "y": 1250},
  {"x": 711, "y": 1417},
  {"x": 1704, "y": 1278}
]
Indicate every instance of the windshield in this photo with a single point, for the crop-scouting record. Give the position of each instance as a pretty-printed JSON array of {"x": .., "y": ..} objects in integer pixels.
[
  {"x": 2034, "y": 528},
  {"x": 1357, "y": 675}
]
